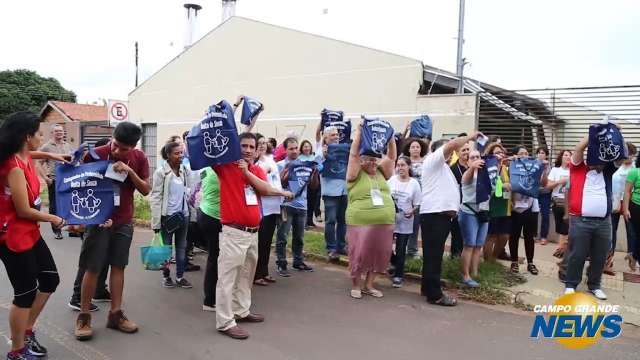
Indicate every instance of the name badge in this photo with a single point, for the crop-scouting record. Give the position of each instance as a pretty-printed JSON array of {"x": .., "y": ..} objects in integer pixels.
[
  {"x": 523, "y": 202},
  {"x": 116, "y": 195},
  {"x": 37, "y": 203},
  {"x": 250, "y": 196},
  {"x": 376, "y": 197}
]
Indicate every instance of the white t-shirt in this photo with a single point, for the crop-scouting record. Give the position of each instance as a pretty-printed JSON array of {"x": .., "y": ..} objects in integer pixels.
[
  {"x": 557, "y": 174},
  {"x": 594, "y": 195},
  {"x": 440, "y": 190},
  {"x": 177, "y": 199},
  {"x": 270, "y": 204},
  {"x": 406, "y": 195}
]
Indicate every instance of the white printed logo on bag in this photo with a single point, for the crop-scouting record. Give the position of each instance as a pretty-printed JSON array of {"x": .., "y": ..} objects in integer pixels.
[
  {"x": 84, "y": 200},
  {"x": 219, "y": 142},
  {"x": 607, "y": 149}
]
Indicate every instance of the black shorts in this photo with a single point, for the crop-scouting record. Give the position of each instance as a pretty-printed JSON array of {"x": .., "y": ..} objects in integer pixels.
[
  {"x": 29, "y": 271},
  {"x": 102, "y": 247},
  {"x": 500, "y": 225},
  {"x": 562, "y": 225}
]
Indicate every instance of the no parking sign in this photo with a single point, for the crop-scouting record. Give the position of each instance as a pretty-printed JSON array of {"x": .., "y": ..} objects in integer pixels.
[{"x": 118, "y": 111}]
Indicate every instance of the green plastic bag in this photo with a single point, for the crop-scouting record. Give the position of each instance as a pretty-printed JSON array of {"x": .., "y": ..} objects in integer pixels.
[
  {"x": 498, "y": 186},
  {"x": 156, "y": 254}
]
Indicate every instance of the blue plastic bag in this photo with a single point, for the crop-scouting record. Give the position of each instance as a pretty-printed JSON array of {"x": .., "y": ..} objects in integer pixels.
[
  {"x": 214, "y": 140},
  {"x": 335, "y": 163},
  {"x": 422, "y": 127},
  {"x": 84, "y": 196},
  {"x": 525, "y": 174},
  {"x": 156, "y": 255},
  {"x": 336, "y": 119},
  {"x": 375, "y": 136},
  {"x": 606, "y": 144},
  {"x": 250, "y": 109}
]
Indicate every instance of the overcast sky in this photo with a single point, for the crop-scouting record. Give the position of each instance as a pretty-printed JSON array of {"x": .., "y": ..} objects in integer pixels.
[{"x": 518, "y": 44}]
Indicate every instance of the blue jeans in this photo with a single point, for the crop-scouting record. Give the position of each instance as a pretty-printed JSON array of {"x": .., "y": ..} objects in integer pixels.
[
  {"x": 589, "y": 237},
  {"x": 474, "y": 233},
  {"x": 545, "y": 211},
  {"x": 631, "y": 234},
  {"x": 179, "y": 240},
  {"x": 335, "y": 227},
  {"x": 398, "y": 258},
  {"x": 412, "y": 242},
  {"x": 296, "y": 219}
]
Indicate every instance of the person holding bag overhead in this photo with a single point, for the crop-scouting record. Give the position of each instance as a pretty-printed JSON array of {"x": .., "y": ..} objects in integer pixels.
[
  {"x": 370, "y": 214},
  {"x": 169, "y": 209},
  {"x": 26, "y": 257}
]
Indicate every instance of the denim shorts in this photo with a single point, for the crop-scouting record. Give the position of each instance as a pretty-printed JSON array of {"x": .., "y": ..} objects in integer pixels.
[{"x": 474, "y": 233}]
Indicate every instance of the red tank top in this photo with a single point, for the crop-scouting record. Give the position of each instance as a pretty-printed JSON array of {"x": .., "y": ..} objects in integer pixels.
[{"x": 18, "y": 234}]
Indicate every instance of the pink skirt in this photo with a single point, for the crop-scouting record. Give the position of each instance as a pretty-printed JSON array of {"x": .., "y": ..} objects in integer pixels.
[{"x": 369, "y": 248}]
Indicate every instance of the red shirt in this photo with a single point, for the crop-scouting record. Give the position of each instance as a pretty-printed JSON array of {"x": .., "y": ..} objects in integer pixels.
[
  {"x": 138, "y": 162},
  {"x": 581, "y": 200},
  {"x": 233, "y": 206},
  {"x": 24, "y": 233}
]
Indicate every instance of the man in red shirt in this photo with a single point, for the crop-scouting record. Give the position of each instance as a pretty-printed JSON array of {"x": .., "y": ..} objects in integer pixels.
[
  {"x": 240, "y": 218},
  {"x": 111, "y": 245}
]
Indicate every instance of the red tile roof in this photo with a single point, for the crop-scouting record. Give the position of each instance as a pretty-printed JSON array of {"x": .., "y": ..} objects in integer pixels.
[{"x": 81, "y": 112}]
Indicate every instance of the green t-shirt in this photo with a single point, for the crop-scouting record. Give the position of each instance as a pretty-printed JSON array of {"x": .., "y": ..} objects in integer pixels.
[
  {"x": 634, "y": 177},
  {"x": 361, "y": 210},
  {"x": 210, "y": 202}
]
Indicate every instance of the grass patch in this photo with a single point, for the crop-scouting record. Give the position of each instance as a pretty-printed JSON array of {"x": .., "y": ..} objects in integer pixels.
[
  {"x": 44, "y": 195},
  {"x": 492, "y": 276},
  {"x": 141, "y": 208}
]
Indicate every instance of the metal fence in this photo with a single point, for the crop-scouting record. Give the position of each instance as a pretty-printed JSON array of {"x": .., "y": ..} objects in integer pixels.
[{"x": 557, "y": 118}]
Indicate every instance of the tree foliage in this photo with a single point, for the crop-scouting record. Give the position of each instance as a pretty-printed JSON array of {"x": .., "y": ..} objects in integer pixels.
[{"x": 26, "y": 90}]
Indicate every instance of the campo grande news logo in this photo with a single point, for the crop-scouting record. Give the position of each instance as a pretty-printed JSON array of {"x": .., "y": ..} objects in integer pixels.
[{"x": 577, "y": 321}]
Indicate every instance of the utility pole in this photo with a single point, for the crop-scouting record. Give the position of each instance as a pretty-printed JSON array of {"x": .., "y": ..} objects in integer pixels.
[
  {"x": 136, "y": 64},
  {"x": 460, "y": 60}
]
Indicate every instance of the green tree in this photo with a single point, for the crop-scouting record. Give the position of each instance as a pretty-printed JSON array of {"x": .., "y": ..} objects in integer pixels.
[{"x": 26, "y": 90}]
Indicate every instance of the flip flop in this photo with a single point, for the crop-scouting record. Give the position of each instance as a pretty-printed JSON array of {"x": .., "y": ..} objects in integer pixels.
[
  {"x": 356, "y": 294},
  {"x": 261, "y": 282},
  {"x": 373, "y": 292}
]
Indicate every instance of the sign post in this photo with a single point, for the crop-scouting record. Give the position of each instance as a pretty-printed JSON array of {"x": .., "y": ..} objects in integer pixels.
[{"x": 118, "y": 112}]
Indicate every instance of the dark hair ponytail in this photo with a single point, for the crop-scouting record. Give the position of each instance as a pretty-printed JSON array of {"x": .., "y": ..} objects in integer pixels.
[{"x": 14, "y": 131}]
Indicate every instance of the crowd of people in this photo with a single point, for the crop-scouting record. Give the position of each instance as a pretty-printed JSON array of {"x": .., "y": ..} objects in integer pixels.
[{"x": 428, "y": 192}]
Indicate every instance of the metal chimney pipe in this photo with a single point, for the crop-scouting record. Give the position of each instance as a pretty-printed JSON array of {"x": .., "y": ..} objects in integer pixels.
[
  {"x": 228, "y": 9},
  {"x": 192, "y": 17}
]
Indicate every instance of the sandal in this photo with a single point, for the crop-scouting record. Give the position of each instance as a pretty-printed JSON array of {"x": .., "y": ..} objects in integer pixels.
[
  {"x": 444, "y": 301},
  {"x": 261, "y": 282},
  {"x": 544, "y": 242},
  {"x": 631, "y": 261},
  {"x": 356, "y": 294},
  {"x": 515, "y": 268},
  {"x": 269, "y": 279},
  {"x": 373, "y": 292},
  {"x": 559, "y": 253},
  {"x": 532, "y": 269}
]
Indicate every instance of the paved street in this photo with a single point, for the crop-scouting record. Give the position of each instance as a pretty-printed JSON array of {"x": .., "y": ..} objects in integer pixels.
[{"x": 309, "y": 316}]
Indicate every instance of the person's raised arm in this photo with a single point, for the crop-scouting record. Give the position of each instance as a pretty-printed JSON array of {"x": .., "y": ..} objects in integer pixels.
[
  {"x": 251, "y": 125},
  {"x": 319, "y": 131},
  {"x": 41, "y": 155},
  {"x": 467, "y": 177},
  {"x": 262, "y": 187},
  {"x": 389, "y": 160},
  {"x": 457, "y": 143},
  {"x": 353, "y": 167},
  {"x": 18, "y": 186},
  {"x": 578, "y": 153},
  {"x": 406, "y": 130}
]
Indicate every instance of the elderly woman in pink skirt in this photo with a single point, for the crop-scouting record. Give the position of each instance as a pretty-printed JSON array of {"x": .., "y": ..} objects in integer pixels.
[{"x": 370, "y": 215}]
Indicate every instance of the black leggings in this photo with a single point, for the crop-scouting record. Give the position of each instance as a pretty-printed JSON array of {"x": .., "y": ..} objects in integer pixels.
[
  {"x": 29, "y": 271},
  {"x": 527, "y": 224},
  {"x": 265, "y": 237},
  {"x": 210, "y": 229}
]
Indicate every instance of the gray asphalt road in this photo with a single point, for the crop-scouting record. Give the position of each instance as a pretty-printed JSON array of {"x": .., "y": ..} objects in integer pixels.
[{"x": 309, "y": 316}]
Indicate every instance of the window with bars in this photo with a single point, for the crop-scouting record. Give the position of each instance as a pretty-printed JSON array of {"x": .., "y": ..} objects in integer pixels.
[{"x": 149, "y": 144}]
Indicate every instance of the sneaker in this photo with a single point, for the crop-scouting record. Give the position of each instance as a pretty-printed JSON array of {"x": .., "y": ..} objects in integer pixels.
[
  {"x": 183, "y": 283},
  {"x": 75, "y": 305},
  {"x": 303, "y": 267},
  {"x": 191, "y": 267},
  {"x": 569, "y": 291},
  {"x": 397, "y": 282},
  {"x": 282, "y": 271},
  {"x": 209, "y": 308},
  {"x": 168, "y": 283},
  {"x": 21, "y": 355},
  {"x": 471, "y": 283},
  {"x": 333, "y": 256},
  {"x": 103, "y": 297},
  {"x": 172, "y": 260},
  {"x": 33, "y": 346},
  {"x": 599, "y": 294},
  {"x": 83, "y": 327},
  {"x": 118, "y": 321},
  {"x": 58, "y": 235}
]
